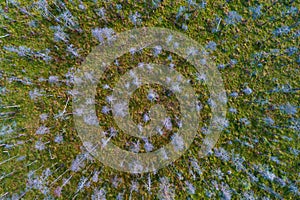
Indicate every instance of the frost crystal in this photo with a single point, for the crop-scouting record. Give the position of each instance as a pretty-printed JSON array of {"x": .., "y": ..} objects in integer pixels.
[
  {"x": 42, "y": 130},
  {"x": 102, "y": 34},
  {"x": 178, "y": 142},
  {"x": 233, "y": 17},
  {"x": 166, "y": 190},
  {"x": 135, "y": 18}
]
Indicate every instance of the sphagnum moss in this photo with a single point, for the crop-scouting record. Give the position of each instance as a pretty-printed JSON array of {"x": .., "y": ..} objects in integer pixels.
[{"x": 255, "y": 47}]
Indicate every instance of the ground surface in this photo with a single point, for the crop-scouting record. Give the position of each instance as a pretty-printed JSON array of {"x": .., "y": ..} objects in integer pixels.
[{"x": 255, "y": 47}]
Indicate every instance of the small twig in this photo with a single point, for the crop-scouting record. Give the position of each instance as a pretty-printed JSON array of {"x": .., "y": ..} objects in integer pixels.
[
  {"x": 66, "y": 105},
  {"x": 219, "y": 24},
  {"x": 7, "y": 160},
  {"x": 4, "y": 176},
  {"x": 51, "y": 184},
  {"x": 7, "y": 153},
  {"x": 3, "y": 195},
  {"x": 3, "y": 36},
  {"x": 50, "y": 154},
  {"x": 15, "y": 106},
  {"x": 31, "y": 163},
  {"x": 7, "y": 113}
]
